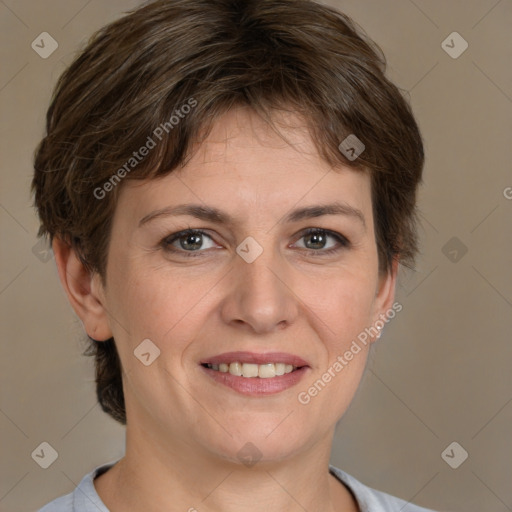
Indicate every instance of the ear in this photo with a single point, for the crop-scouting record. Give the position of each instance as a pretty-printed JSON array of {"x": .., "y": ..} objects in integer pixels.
[
  {"x": 84, "y": 290},
  {"x": 384, "y": 298}
]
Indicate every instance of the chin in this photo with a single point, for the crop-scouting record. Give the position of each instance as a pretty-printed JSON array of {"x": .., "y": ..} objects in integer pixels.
[{"x": 267, "y": 441}]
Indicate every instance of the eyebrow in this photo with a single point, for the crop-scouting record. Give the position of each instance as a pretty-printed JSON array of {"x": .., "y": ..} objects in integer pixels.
[{"x": 209, "y": 213}]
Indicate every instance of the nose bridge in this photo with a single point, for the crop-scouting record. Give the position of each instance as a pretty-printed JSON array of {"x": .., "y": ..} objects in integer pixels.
[{"x": 261, "y": 296}]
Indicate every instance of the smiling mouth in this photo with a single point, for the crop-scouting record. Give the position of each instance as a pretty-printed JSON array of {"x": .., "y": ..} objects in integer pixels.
[{"x": 252, "y": 370}]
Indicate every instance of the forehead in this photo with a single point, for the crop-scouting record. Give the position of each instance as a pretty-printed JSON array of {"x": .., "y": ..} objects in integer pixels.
[
  {"x": 243, "y": 130},
  {"x": 252, "y": 169}
]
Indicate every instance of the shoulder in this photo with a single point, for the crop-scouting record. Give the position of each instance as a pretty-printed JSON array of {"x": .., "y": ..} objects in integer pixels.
[
  {"x": 84, "y": 498},
  {"x": 372, "y": 500},
  {"x": 62, "y": 504}
]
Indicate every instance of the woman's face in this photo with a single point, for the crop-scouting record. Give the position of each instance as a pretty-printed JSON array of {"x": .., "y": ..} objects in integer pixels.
[{"x": 257, "y": 284}]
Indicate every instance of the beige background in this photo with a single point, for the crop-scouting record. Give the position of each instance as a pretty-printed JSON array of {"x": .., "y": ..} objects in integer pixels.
[{"x": 441, "y": 372}]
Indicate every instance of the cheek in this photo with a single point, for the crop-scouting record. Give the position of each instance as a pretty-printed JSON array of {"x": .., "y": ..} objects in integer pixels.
[
  {"x": 153, "y": 306},
  {"x": 164, "y": 305},
  {"x": 138, "y": 304},
  {"x": 341, "y": 313},
  {"x": 343, "y": 305}
]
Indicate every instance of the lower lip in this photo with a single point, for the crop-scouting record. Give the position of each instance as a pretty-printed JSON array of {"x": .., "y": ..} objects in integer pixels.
[{"x": 256, "y": 386}]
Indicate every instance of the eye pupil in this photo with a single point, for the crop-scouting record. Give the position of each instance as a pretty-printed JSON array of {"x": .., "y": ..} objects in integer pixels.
[
  {"x": 317, "y": 238},
  {"x": 193, "y": 245}
]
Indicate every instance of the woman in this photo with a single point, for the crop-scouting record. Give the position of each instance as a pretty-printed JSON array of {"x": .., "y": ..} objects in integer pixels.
[{"x": 229, "y": 187}]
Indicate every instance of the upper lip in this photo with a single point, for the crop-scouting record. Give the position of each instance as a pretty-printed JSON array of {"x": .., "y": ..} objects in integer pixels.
[{"x": 256, "y": 358}]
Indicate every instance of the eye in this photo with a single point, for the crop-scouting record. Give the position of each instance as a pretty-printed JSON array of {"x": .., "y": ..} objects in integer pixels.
[
  {"x": 189, "y": 240},
  {"x": 317, "y": 241}
]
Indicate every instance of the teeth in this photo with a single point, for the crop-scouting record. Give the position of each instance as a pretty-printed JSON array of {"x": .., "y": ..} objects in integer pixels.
[
  {"x": 251, "y": 370},
  {"x": 265, "y": 371},
  {"x": 235, "y": 369}
]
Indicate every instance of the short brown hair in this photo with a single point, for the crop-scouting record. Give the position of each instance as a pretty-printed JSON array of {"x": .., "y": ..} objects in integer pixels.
[{"x": 140, "y": 70}]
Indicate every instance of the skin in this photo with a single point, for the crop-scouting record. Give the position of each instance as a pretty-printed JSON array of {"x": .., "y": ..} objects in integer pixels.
[{"x": 184, "y": 430}]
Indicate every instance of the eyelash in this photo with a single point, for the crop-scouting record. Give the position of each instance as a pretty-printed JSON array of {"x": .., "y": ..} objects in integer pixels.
[{"x": 344, "y": 243}]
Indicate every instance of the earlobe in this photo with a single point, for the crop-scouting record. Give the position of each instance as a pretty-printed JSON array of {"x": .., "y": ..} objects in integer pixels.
[{"x": 83, "y": 289}]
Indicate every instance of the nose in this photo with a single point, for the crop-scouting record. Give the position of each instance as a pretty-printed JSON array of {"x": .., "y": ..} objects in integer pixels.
[{"x": 260, "y": 295}]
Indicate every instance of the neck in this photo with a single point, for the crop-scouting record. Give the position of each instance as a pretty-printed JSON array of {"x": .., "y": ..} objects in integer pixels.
[{"x": 182, "y": 477}]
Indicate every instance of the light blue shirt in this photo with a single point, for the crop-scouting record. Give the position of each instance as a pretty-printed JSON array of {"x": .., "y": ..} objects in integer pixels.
[{"x": 85, "y": 498}]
